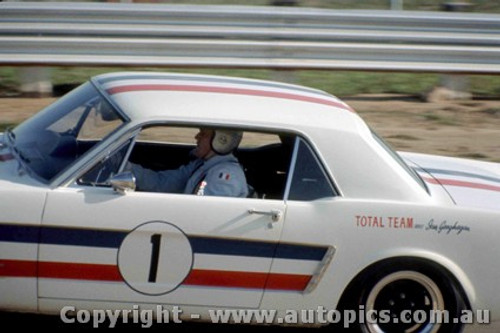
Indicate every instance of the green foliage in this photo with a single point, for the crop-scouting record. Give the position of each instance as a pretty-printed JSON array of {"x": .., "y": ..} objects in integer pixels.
[{"x": 339, "y": 83}]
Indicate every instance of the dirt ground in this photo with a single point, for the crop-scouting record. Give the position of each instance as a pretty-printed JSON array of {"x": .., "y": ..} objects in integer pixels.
[{"x": 468, "y": 128}]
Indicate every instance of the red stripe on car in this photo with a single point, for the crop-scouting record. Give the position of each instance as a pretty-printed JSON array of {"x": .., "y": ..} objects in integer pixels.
[
  {"x": 18, "y": 268},
  {"x": 197, "y": 277},
  {"x": 462, "y": 183},
  {"x": 255, "y": 280},
  {"x": 225, "y": 90},
  {"x": 74, "y": 271}
]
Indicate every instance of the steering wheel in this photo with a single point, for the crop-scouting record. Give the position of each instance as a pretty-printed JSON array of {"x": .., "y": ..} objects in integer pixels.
[{"x": 59, "y": 145}]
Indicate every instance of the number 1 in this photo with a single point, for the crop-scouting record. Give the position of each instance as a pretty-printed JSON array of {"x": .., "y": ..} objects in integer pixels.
[{"x": 155, "y": 256}]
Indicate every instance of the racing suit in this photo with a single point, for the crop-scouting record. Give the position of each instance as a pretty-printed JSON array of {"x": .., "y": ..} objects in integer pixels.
[{"x": 221, "y": 175}]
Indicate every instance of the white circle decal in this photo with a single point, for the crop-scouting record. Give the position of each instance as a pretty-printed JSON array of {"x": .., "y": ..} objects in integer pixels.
[{"x": 155, "y": 258}]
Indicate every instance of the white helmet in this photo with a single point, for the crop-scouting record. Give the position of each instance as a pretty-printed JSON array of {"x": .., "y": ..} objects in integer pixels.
[{"x": 225, "y": 141}]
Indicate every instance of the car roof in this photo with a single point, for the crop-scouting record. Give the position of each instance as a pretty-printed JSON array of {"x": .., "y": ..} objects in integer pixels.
[
  {"x": 152, "y": 96},
  {"x": 357, "y": 163}
]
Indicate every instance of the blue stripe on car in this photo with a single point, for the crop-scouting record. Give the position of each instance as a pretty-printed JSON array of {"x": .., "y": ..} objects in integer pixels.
[
  {"x": 200, "y": 244},
  {"x": 459, "y": 173},
  {"x": 19, "y": 234}
]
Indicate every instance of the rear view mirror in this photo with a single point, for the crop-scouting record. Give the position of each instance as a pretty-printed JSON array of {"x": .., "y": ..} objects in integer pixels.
[{"x": 123, "y": 182}]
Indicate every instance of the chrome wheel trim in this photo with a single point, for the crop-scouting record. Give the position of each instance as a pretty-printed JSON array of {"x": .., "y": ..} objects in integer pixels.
[{"x": 431, "y": 288}]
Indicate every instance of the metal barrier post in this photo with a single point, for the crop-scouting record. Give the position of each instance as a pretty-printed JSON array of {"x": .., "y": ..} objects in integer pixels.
[
  {"x": 35, "y": 81},
  {"x": 453, "y": 86}
]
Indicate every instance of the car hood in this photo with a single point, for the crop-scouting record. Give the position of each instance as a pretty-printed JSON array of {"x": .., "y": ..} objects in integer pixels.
[
  {"x": 11, "y": 175},
  {"x": 468, "y": 182}
]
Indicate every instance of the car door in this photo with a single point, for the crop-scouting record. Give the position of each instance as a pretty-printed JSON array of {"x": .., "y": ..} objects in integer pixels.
[
  {"x": 99, "y": 245},
  {"x": 310, "y": 223},
  {"x": 180, "y": 249}
]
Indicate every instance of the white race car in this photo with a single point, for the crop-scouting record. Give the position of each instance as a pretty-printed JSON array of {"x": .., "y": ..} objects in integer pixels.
[{"x": 338, "y": 229}]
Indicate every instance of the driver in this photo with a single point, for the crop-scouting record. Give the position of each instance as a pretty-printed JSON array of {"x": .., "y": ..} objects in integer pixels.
[{"x": 215, "y": 171}]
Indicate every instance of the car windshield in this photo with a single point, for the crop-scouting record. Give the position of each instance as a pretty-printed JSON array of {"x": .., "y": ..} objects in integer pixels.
[{"x": 60, "y": 134}]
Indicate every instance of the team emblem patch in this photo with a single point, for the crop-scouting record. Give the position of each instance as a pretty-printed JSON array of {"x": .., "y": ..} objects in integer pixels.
[{"x": 224, "y": 176}]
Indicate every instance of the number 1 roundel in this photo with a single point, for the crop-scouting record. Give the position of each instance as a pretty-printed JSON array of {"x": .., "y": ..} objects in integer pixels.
[{"x": 155, "y": 258}]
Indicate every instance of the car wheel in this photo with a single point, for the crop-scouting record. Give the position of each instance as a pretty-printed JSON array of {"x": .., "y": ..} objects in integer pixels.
[{"x": 404, "y": 296}]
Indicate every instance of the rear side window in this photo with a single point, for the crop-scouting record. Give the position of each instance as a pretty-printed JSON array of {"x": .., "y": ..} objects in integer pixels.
[{"x": 309, "y": 180}]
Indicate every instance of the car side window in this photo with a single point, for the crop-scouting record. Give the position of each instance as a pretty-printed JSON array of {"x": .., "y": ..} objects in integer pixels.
[
  {"x": 309, "y": 181},
  {"x": 264, "y": 156}
]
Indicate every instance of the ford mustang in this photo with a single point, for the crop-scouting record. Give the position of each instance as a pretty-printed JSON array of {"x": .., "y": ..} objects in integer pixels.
[{"x": 335, "y": 221}]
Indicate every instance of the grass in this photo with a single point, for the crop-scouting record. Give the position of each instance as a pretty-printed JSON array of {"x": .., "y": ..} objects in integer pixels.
[
  {"x": 404, "y": 137},
  {"x": 492, "y": 112},
  {"x": 354, "y": 83},
  {"x": 5, "y": 126},
  {"x": 339, "y": 83},
  {"x": 439, "y": 119},
  {"x": 476, "y": 156}
]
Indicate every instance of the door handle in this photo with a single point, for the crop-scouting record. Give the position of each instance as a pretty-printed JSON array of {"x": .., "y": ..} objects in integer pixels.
[{"x": 275, "y": 214}]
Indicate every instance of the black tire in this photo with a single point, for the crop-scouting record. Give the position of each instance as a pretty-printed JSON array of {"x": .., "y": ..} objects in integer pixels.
[{"x": 401, "y": 295}]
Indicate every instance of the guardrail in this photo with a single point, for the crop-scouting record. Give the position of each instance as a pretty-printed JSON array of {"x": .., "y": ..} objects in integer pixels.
[{"x": 115, "y": 34}]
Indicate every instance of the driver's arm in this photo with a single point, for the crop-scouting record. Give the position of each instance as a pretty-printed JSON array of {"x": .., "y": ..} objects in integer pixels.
[{"x": 171, "y": 181}]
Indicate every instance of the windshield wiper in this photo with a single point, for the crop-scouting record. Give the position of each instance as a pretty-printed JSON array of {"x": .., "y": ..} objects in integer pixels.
[
  {"x": 10, "y": 135},
  {"x": 8, "y": 138}
]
